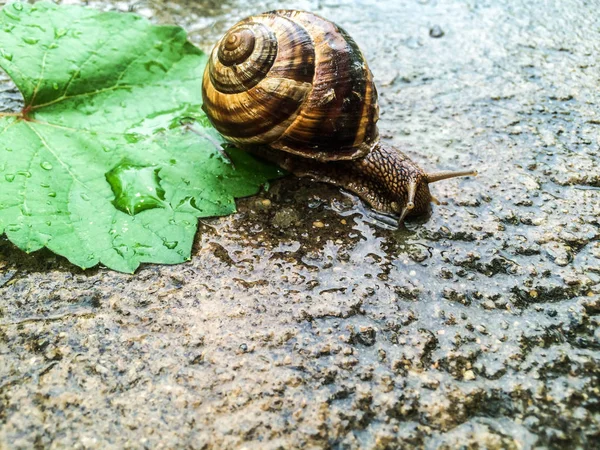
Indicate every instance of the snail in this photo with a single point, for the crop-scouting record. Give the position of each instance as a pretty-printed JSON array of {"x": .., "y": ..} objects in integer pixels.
[{"x": 295, "y": 89}]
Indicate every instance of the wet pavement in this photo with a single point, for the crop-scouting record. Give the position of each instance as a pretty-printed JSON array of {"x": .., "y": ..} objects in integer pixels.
[{"x": 299, "y": 322}]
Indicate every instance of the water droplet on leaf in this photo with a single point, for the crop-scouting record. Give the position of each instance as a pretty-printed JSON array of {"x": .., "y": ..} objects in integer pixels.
[
  {"x": 46, "y": 165},
  {"x": 122, "y": 250},
  {"x": 151, "y": 64},
  {"x": 60, "y": 32},
  {"x": 85, "y": 197},
  {"x": 24, "y": 173},
  {"x": 10, "y": 177},
  {"x": 136, "y": 188},
  {"x": 188, "y": 204},
  {"x": 30, "y": 40},
  {"x": 55, "y": 86},
  {"x": 18, "y": 6},
  {"x": 51, "y": 194},
  {"x": 6, "y": 55},
  {"x": 133, "y": 137},
  {"x": 11, "y": 13},
  {"x": 170, "y": 244},
  {"x": 141, "y": 249}
]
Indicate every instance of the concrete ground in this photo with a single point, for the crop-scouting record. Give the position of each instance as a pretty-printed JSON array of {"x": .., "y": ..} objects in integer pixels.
[{"x": 299, "y": 323}]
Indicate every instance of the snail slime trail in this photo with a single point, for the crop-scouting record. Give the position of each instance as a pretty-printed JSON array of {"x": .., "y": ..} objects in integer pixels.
[{"x": 295, "y": 89}]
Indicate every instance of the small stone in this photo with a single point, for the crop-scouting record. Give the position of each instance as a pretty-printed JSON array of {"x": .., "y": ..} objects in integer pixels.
[
  {"x": 537, "y": 221},
  {"x": 446, "y": 273},
  {"x": 469, "y": 375},
  {"x": 482, "y": 329},
  {"x": 286, "y": 217},
  {"x": 559, "y": 253},
  {"x": 488, "y": 304},
  {"x": 436, "y": 31},
  {"x": 367, "y": 336},
  {"x": 431, "y": 384},
  {"x": 318, "y": 224},
  {"x": 347, "y": 363},
  {"x": 325, "y": 350}
]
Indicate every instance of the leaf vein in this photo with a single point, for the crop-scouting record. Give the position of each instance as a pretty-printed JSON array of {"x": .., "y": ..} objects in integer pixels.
[
  {"x": 83, "y": 94},
  {"x": 42, "y": 71},
  {"x": 134, "y": 60},
  {"x": 78, "y": 71},
  {"x": 53, "y": 153}
]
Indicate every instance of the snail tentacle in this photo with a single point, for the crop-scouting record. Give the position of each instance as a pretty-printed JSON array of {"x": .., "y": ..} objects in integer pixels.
[
  {"x": 435, "y": 201},
  {"x": 446, "y": 174}
]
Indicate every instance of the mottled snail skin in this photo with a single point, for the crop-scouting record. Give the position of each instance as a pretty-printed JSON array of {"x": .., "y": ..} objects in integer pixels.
[
  {"x": 294, "y": 88},
  {"x": 381, "y": 178}
]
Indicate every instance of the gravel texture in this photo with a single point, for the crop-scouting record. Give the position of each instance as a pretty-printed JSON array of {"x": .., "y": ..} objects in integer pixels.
[{"x": 299, "y": 322}]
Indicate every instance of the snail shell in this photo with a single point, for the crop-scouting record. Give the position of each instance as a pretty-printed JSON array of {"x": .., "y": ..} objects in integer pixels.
[
  {"x": 295, "y": 82},
  {"x": 295, "y": 88}
]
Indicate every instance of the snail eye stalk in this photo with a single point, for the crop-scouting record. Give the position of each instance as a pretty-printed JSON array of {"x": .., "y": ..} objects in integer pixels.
[{"x": 444, "y": 175}]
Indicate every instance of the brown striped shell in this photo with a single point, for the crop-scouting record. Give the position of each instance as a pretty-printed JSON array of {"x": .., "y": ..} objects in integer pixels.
[{"x": 295, "y": 82}]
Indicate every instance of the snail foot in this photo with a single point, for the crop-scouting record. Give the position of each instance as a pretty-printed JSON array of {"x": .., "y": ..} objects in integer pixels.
[{"x": 384, "y": 220}]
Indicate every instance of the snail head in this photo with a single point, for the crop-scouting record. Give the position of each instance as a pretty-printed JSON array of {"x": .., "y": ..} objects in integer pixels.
[
  {"x": 398, "y": 186},
  {"x": 417, "y": 197}
]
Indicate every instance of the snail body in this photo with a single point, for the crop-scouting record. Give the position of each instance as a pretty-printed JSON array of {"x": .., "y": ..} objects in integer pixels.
[{"x": 294, "y": 88}]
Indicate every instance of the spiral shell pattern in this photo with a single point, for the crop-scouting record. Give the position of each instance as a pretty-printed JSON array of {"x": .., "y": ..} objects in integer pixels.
[{"x": 295, "y": 82}]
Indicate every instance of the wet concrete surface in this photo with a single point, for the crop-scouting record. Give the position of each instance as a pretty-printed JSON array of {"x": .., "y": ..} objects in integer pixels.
[{"x": 301, "y": 323}]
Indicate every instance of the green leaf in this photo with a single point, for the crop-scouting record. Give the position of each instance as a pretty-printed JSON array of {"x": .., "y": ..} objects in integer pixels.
[{"x": 98, "y": 166}]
